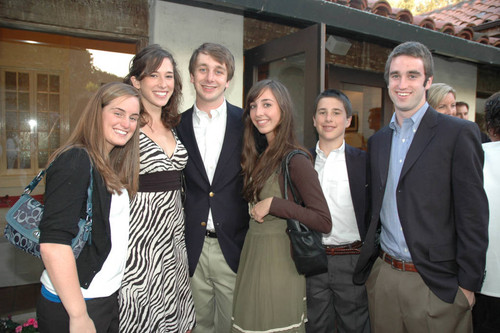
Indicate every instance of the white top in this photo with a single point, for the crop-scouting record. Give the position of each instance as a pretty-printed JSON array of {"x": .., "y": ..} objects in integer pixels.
[
  {"x": 108, "y": 279},
  {"x": 209, "y": 133},
  {"x": 491, "y": 285},
  {"x": 332, "y": 174}
]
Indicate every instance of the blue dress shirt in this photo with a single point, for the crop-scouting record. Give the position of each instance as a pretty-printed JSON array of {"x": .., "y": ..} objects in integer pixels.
[{"x": 392, "y": 239}]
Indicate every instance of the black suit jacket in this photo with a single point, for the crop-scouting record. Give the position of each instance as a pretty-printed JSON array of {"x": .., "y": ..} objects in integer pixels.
[
  {"x": 441, "y": 203},
  {"x": 356, "y": 162},
  {"x": 223, "y": 196}
]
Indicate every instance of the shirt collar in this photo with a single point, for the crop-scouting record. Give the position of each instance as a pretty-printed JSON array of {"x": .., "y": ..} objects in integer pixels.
[
  {"x": 217, "y": 112},
  {"x": 340, "y": 149},
  {"x": 415, "y": 119}
]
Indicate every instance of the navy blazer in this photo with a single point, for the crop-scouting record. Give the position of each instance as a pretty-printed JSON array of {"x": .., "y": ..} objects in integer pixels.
[
  {"x": 223, "y": 196},
  {"x": 356, "y": 162},
  {"x": 441, "y": 202}
]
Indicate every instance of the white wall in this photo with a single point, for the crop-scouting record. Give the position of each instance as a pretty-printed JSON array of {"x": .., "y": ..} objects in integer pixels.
[
  {"x": 181, "y": 29},
  {"x": 462, "y": 76}
]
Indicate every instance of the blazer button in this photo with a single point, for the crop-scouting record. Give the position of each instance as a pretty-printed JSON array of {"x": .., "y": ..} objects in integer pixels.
[
  {"x": 203, "y": 224},
  {"x": 211, "y": 194}
]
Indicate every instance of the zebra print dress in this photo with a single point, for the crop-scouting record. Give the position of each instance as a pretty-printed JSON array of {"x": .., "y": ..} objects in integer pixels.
[{"x": 155, "y": 295}]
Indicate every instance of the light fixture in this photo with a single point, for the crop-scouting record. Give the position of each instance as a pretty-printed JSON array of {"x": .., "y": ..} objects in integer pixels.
[{"x": 337, "y": 45}]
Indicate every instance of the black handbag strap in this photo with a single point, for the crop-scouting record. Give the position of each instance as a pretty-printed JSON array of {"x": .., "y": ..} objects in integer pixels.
[{"x": 286, "y": 174}]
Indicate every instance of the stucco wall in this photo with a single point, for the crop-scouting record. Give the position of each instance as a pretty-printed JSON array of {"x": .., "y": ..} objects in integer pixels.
[
  {"x": 180, "y": 29},
  {"x": 462, "y": 76}
]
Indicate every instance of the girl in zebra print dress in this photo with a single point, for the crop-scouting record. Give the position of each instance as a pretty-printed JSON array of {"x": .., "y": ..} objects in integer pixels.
[{"x": 155, "y": 295}]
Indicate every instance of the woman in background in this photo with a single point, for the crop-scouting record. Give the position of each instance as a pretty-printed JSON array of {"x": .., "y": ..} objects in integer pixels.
[
  {"x": 82, "y": 295},
  {"x": 442, "y": 98},
  {"x": 155, "y": 294},
  {"x": 486, "y": 312},
  {"x": 270, "y": 295}
]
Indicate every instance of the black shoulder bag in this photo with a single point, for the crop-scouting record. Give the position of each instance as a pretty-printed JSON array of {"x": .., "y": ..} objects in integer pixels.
[{"x": 307, "y": 249}]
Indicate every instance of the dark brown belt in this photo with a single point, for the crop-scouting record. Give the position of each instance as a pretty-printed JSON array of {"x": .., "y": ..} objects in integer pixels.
[
  {"x": 400, "y": 265},
  {"x": 334, "y": 250},
  {"x": 211, "y": 234}
]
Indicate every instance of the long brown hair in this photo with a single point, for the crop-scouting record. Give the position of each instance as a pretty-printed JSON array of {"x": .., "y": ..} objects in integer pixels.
[
  {"x": 259, "y": 160},
  {"x": 120, "y": 168},
  {"x": 147, "y": 61}
]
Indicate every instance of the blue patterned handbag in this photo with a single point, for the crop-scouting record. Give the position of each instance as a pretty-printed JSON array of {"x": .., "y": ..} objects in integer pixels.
[{"x": 24, "y": 217}]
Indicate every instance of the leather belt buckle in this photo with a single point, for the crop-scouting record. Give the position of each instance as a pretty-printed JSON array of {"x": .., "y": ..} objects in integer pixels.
[
  {"x": 211, "y": 234},
  {"x": 398, "y": 264}
]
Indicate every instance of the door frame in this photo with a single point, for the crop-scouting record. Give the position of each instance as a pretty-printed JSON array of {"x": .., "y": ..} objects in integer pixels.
[{"x": 311, "y": 42}]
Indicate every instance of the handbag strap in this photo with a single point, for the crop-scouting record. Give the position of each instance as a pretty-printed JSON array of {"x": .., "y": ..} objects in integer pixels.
[
  {"x": 89, "y": 196},
  {"x": 286, "y": 174},
  {"x": 31, "y": 186}
]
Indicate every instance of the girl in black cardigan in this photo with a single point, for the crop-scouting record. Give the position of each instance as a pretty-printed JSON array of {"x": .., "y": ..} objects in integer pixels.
[{"x": 80, "y": 295}]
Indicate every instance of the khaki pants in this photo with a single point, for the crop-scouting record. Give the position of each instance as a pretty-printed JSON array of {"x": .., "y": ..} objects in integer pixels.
[
  {"x": 212, "y": 285},
  {"x": 401, "y": 302}
]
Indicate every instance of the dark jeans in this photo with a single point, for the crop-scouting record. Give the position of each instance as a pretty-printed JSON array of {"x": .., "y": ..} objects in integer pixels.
[
  {"x": 486, "y": 314},
  {"x": 53, "y": 318}
]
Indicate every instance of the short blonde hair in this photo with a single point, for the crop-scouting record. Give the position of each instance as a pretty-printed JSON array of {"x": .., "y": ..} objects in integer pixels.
[{"x": 437, "y": 92}]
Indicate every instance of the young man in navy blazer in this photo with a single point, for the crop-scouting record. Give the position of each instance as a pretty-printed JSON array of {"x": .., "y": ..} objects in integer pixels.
[
  {"x": 333, "y": 301},
  {"x": 428, "y": 233},
  {"x": 216, "y": 214}
]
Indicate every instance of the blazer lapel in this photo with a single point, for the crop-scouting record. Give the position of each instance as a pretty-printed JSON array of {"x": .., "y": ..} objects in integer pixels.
[
  {"x": 234, "y": 128},
  {"x": 189, "y": 141},
  {"x": 423, "y": 136},
  {"x": 384, "y": 154}
]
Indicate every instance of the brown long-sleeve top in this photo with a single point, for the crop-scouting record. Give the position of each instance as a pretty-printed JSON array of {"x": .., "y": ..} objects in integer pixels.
[{"x": 314, "y": 214}]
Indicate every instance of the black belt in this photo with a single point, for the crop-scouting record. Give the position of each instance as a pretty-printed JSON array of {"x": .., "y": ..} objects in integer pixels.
[
  {"x": 161, "y": 181},
  {"x": 211, "y": 234}
]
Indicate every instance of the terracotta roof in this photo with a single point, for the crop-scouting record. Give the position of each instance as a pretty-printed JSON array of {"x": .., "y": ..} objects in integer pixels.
[{"x": 476, "y": 20}]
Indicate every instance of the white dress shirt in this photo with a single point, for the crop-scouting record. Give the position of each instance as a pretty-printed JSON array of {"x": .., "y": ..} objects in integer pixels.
[
  {"x": 491, "y": 285},
  {"x": 332, "y": 174},
  {"x": 209, "y": 133}
]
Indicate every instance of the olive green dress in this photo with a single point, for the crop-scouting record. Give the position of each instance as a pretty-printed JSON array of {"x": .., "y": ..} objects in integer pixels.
[{"x": 269, "y": 295}]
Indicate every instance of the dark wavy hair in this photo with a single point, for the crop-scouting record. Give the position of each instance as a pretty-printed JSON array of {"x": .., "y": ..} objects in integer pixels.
[
  {"x": 259, "y": 160},
  {"x": 492, "y": 113},
  {"x": 147, "y": 61}
]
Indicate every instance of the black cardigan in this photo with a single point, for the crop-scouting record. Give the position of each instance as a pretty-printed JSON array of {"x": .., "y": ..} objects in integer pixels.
[{"x": 65, "y": 202}]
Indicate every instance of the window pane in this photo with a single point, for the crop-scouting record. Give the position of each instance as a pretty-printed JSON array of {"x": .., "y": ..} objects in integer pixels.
[
  {"x": 54, "y": 120},
  {"x": 42, "y": 122},
  {"x": 24, "y": 82},
  {"x": 42, "y": 102},
  {"x": 54, "y": 83},
  {"x": 10, "y": 80},
  {"x": 54, "y": 141},
  {"x": 11, "y": 121},
  {"x": 53, "y": 102},
  {"x": 24, "y": 101},
  {"x": 24, "y": 141},
  {"x": 25, "y": 160},
  {"x": 42, "y": 82},
  {"x": 43, "y": 157},
  {"x": 43, "y": 142},
  {"x": 11, "y": 101},
  {"x": 12, "y": 148},
  {"x": 24, "y": 118}
]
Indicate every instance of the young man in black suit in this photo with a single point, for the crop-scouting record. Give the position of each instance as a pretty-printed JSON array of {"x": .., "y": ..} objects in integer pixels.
[
  {"x": 333, "y": 301},
  {"x": 216, "y": 214},
  {"x": 429, "y": 204}
]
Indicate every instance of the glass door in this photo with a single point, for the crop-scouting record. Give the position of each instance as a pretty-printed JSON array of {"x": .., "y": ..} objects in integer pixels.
[{"x": 298, "y": 61}]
